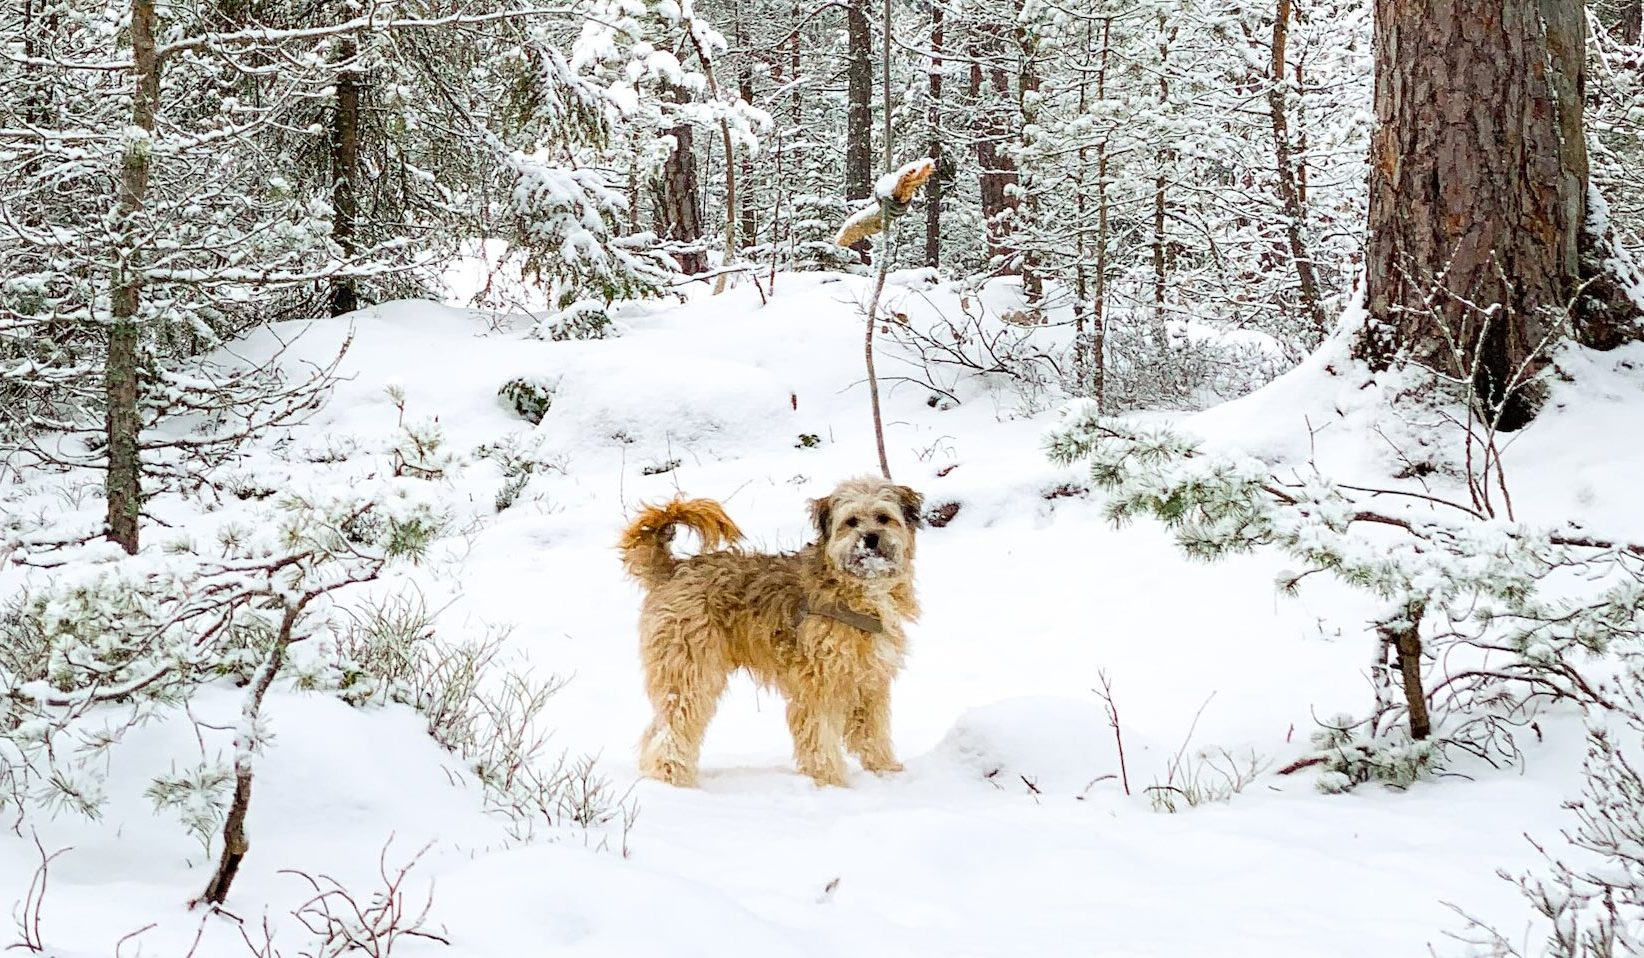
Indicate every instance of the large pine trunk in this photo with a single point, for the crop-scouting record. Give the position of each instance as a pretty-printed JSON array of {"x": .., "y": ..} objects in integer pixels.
[
  {"x": 123, "y": 484},
  {"x": 1478, "y": 193}
]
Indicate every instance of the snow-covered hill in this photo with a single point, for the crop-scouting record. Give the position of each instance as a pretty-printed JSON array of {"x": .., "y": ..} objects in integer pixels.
[{"x": 1009, "y": 833}]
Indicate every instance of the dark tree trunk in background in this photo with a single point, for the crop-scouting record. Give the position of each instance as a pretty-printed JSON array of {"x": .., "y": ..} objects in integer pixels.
[
  {"x": 1292, "y": 192},
  {"x": 681, "y": 210},
  {"x": 748, "y": 226},
  {"x": 996, "y": 170},
  {"x": 1478, "y": 194},
  {"x": 1629, "y": 23},
  {"x": 345, "y": 177},
  {"x": 123, "y": 484},
  {"x": 933, "y": 149},
  {"x": 859, "y": 175}
]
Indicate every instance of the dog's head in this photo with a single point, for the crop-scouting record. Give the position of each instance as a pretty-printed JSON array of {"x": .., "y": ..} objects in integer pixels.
[{"x": 865, "y": 528}]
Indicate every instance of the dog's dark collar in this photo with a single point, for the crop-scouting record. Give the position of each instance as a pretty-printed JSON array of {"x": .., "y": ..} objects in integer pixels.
[{"x": 856, "y": 620}]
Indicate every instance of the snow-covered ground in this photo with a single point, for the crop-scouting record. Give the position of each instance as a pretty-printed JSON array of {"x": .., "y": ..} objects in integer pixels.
[{"x": 1009, "y": 833}]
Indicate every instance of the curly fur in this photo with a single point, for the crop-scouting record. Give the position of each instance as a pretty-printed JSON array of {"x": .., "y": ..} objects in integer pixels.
[{"x": 727, "y": 609}]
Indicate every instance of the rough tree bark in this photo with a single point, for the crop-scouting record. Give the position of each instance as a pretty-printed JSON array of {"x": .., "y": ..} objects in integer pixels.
[
  {"x": 345, "y": 175},
  {"x": 681, "y": 211},
  {"x": 124, "y": 480},
  {"x": 1478, "y": 196}
]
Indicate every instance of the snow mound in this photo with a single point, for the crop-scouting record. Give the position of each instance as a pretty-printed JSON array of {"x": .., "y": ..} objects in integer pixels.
[
  {"x": 653, "y": 401},
  {"x": 1060, "y": 745}
]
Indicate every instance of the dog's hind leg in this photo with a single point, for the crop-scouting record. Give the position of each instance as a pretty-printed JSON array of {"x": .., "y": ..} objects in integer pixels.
[
  {"x": 684, "y": 690},
  {"x": 867, "y": 731},
  {"x": 817, "y": 737}
]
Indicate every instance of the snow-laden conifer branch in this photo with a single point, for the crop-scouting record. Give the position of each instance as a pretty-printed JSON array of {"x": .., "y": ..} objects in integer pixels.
[{"x": 1472, "y": 634}]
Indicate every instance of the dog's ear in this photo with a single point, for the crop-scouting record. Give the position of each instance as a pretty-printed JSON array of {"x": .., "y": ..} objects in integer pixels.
[
  {"x": 912, "y": 504},
  {"x": 822, "y": 516}
]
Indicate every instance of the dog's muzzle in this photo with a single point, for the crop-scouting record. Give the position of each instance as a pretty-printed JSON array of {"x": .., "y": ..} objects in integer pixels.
[{"x": 872, "y": 557}]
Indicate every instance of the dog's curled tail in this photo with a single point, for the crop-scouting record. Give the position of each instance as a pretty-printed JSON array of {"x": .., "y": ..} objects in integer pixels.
[{"x": 644, "y": 545}]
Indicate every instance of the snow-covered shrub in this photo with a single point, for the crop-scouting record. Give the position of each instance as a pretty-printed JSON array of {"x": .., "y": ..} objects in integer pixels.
[
  {"x": 1203, "y": 777},
  {"x": 519, "y": 456},
  {"x": 583, "y": 319},
  {"x": 110, "y": 641},
  {"x": 1185, "y": 370},
  {"x": 815, "y": 220},
  {"x": 483, "y": 709},
  {"x": 1394, "y": 759},
  {"x": 1183, "y": 367},
  {"x": 346, "y": 922},
  {"x": 528, "y": 397},
  {"x": 1589, "y": 897}
]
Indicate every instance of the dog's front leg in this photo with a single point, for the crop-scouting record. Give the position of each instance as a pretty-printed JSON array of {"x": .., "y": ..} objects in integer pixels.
[
  {"x": 867, "y": 733},
  {"x": 817, "y": 737}
]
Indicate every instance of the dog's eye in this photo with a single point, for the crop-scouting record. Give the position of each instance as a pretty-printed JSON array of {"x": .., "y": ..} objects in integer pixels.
[
  {"x": 851, "y": 522},
  {"x": 884, "y": 520}
]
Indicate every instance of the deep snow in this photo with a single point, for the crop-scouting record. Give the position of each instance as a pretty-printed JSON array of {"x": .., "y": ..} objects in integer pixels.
[{"x": 1008, "y": 833}]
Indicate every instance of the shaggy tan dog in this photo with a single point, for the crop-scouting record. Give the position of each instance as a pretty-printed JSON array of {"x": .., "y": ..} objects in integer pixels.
[{"x": 823, "y": 626}]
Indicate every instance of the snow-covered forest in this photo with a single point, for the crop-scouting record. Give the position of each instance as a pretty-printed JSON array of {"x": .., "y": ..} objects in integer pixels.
[{"x": 1272, "y": 375}]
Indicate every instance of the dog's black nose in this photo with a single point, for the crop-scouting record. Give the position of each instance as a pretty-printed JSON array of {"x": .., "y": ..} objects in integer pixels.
[{"x": 871, "y": 540}]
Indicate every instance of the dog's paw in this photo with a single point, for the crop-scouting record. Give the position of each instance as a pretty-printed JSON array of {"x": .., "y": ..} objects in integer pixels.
[
  {"x": 890, "y": 767},
  {"x": 826, "y": 778},
  {"x": 671, "y": 773}
]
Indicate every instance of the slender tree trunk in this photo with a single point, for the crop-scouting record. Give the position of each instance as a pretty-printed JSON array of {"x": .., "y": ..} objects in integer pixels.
[
  {"x": 795, "y": 70},
  {"x": 748, "y": 228},
  {"x": 124, "y": 480},
  {"x": 933, "y": 145},
  {"x": 729, "y": 146},
  {"x": 996, "y": 171},
  {"x": 633, "y": 192},
  {"x": 1478, "y": 196},
  {"x": 345, "y": 174},
  {"x": 681, "y": 212},
  {"x": 1089, "y": 334},
  {"x": 1098, "y": 319},
  {"x": 1027, "y": 106},
  {"x": 859, "y": 109},
  {"x": 1289, "y": 190},
  {"x": 1301, "y": 134},
  {"x": 859, "y": 106},
  {"x": 1403, "y": 634},
  {"x": 1162, "y": 159},
  {"x": 236, "y": 844}
]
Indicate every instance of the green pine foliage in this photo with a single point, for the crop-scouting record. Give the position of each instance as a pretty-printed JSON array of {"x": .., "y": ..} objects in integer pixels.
[{"x": 1492, "y": 590}]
